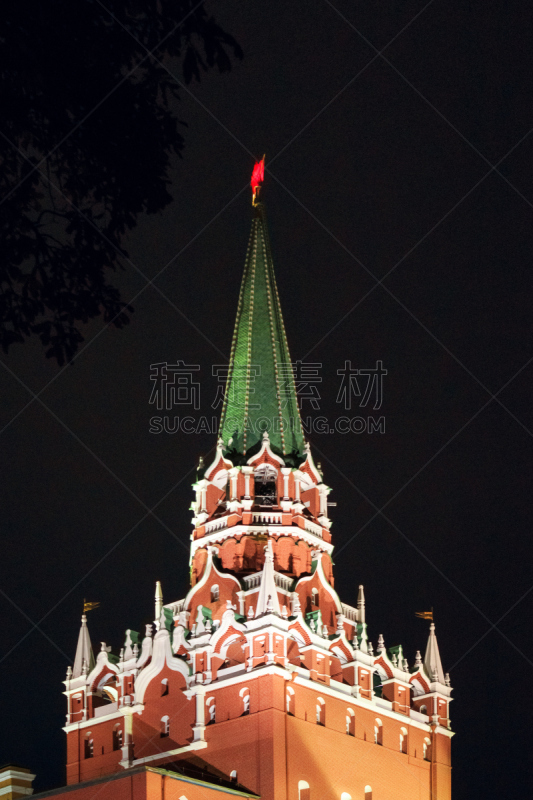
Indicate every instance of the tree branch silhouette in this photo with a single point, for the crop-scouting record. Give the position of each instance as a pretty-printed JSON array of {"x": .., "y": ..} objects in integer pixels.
[{"x": 110, "y": 158}]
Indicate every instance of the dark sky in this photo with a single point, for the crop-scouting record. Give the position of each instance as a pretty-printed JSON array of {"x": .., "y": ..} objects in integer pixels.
[{"x": 412, "y": 167}]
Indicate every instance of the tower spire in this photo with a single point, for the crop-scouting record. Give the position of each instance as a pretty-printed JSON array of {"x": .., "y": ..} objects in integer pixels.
[
  {"x": 260, "y": 389},
  {"x": 432, "y": 662},
  {"x": 84, "y": 650}
]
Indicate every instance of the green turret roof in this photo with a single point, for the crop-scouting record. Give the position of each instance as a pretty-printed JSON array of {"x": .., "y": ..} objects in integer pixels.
[{"x": 260, "y": 390}]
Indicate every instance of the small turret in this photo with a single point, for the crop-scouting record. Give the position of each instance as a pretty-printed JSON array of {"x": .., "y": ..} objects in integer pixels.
[
  {"x": 267, "y": 600},
  {"x": 432, "y": 662},
  {"x": 158, "y": 602},
  {"x": 84, "y": 650}
]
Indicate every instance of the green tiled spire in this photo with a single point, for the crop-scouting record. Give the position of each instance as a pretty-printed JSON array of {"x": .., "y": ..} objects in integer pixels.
[{"x": 260, "y": 390}]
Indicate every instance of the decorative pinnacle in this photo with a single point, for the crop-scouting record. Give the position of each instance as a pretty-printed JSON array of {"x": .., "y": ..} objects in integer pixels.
[
  {"x": 447, "y": 679},
  {"x": 84, "y": 667},
  {"x": 395, "y": 659},
  {"x": 325, "y": 632},
  {"x": 381, "y": 643},
  {"x": 370, "y": 649},
  {"x": 418, "y": 659},
  {"x": 69, "y": 672}
]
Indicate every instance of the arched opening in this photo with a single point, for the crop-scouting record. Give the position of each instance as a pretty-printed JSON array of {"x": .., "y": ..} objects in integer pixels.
[
  {"x": 377, "y": 684},
  {"x": 215, "y": 593},
  {"x": 320, "y": 711},
  {"x": 211, "y": 708},
  {"x": 378, "y": 732},
  {"x": 245, "y": 695},
  {"x": 403, "y": 740},
  {"x": 346, "y": 796},
  {"x": 265, "y": 485},
  {"x": 368, "y": 793},
  {"x": 117, "y": 737},
  {"x": 350, "y": 722},
  {"x": 427, "y": 749},
  {"x": 233, "y": 776},
  {"x": 423, "y": 710},
  {"x": 304, "y": 792},
  {"x": 165, "y": 727},
  {"x": 289, "y": 699},
  {"x": 314, "y": 597},
  {"x": 89, "y": 747},
  {"x": 164, "y": 687}
]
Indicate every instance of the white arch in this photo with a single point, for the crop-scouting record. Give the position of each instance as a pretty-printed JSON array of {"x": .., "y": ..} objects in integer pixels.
[
  {"x": 303, "y": 790},
  {"x": 346, "y": 796}
]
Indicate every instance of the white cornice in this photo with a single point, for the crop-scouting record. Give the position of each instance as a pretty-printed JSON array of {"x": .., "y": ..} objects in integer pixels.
[{"x": 268, "y": 530}]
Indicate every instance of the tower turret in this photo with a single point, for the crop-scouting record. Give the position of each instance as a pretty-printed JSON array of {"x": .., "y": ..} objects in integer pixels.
[{"x": 84, "y": 650}]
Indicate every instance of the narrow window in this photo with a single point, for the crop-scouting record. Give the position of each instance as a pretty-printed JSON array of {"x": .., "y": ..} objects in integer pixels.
[
  {"x": 117, "y": 739},
  {"x": 164, "y": 687},
  {"x": 423, "y": 710},
  {"x": 350, "y": 723},
  {"x": 378, "y": 732},
  {"x": 427, "y": 750},
  {"x": 304, "y": 792},
  {"x": 165, "y": 727},
  {"x": 403, "y": 741},
  {"x": 211, "y": 707},
  {"x": 233, "y": 776},
  {"x": 368, "y": 793},
  {"x": 246, "y": 703},
  {"x": 314, "y": 595},
  {"x": 215, "y": 593},
  {"x": 320, "y": 712},
  {"x": 289, "y": 699},
  {"x": 346, "y": 796},
  {"x": 89, "y": 748}
]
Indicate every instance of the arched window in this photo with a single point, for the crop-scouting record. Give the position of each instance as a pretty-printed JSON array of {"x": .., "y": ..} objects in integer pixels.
[
  {"x": 245, "y": 694},
  {"x": 211, "y": 707},
  {"x": 165, "y": 727},
  {"x": 215, "y": 593},
  {"x": 377, "y": 684},
  {"x": 233, "y": 776},
  {"x": 423, "y": 710},
  {"x": 403, "y": 740},
  {"x": 350, "y": 722},
  {"x": 320, "y": 711},
  {"x": 265, "y": 484},
  {"x": 314, "y": 597},
  {"x": 117, "y": 737},
  {"x": 346, "y": 796},
  {"x": 427, "y": 749},
  {"x": 289, "y": 699},
  {"x": 164, "y": 687},
  {"x": 304, "y": 792},
  {"x": 378, "y": 732},
  {"x": 89, "y": 747},
  {"x": 368, "y": 793}
]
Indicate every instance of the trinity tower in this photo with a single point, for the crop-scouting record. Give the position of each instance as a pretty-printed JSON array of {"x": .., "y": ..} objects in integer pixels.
[{"x": 261, "y": 681}]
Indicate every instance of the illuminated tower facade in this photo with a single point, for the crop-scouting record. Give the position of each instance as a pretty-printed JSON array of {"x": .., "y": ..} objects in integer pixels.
[{"x": 261, "y": 680}]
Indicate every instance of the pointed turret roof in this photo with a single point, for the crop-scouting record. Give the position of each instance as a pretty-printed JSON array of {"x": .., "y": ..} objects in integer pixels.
[
  {"x": 267, "y": 599},
  {"x": 260, "y": 381},
  {"x": 432, "y": 662},
  {"x": 84, "y": 650}
]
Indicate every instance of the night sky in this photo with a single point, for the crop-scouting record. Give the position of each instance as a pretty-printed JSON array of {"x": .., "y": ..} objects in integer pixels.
[{"x": 399, "y": 197}]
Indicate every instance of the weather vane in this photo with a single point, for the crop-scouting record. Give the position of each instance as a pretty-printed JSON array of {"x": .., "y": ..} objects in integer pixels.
[{"x": 89, "y": 606}]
